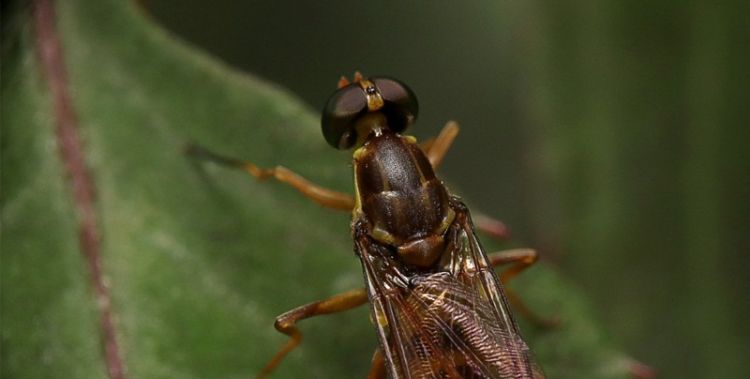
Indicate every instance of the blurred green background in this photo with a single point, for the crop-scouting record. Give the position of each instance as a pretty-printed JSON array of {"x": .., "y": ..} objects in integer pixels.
[{"x": 610, "y": 135}]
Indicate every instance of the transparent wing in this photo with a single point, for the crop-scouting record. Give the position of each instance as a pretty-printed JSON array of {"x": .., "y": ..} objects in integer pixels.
[{"x": 451, "y": 322}]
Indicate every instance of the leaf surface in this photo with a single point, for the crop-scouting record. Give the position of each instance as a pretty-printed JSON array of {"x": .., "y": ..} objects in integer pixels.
[{"x": 199, "y": 259}]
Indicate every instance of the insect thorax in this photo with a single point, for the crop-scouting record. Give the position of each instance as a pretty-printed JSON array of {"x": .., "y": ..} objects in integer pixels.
[{"x": 403, "y": 202}]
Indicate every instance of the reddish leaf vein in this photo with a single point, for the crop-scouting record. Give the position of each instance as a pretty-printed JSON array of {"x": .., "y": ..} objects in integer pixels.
[{"x": 79, "y": 177}]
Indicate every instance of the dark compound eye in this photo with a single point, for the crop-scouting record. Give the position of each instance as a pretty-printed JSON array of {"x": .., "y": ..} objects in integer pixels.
[
  {"x": 348, "y": 104},
  {"x": 342, "y": 109},
  {"x": 401, "y": 107}
]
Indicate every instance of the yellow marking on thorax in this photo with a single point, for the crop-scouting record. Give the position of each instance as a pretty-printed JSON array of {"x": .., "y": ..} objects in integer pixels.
[
  {"x": 357, "y": 197},
  {"x": 382, "y": 235},
  {"x": 377, "y": 233}
]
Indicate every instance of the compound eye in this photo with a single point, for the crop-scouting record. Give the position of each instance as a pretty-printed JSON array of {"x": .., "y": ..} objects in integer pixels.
[
  {"x": 401, "y": 107},
  {"x": 339, "y": 114}
]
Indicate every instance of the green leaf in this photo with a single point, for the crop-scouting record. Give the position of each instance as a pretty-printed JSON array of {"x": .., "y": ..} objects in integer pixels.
[{"x": 199, "y": 259}]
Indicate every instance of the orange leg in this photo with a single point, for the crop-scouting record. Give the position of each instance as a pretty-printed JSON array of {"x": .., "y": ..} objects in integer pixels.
[
  {"x": 286, "y": 323},
  {"x": 640, "y": 370},
  {"x": 490, "y": 226},
  {"x": 435, "y": 148},
  {"x": 520, "y": 259},
  {"x": 525, "y": 258},
  {"x": 377, "y": 369},
  {"x": 323, "y": 196}
]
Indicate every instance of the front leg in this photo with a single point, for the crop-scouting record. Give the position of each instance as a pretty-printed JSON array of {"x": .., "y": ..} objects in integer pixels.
[
  {"x": 435, "y": 148},
  {"x": 520, "y": 259},
  {"x": 323, "y": 196}
]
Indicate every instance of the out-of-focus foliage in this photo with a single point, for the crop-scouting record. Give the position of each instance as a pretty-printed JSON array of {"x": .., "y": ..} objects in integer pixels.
[
  {"x": 611, "y": 135},
  {"x": 198, "y": 259}
]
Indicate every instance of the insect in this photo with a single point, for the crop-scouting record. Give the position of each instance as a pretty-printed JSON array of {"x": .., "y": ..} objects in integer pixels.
[{"x": 438, "y": 307}]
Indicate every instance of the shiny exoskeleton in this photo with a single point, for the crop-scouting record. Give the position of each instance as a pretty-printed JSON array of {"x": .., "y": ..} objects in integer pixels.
[
  {"x": 403, "y": 203},
  {"x": 438, "y": 307}
]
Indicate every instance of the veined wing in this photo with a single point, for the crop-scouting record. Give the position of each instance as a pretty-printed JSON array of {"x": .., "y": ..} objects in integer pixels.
[{"x": 451, "y": 322}]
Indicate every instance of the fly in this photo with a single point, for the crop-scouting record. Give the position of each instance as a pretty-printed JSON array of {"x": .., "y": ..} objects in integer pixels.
[{"x": 438, "y": 307}]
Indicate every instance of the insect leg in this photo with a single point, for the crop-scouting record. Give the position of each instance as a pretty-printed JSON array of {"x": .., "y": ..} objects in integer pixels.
[
  {"x": 520, "y": 259},
  {"x": 323, "y": 196},
  {"x": 492, "y": 227},
  {"x": 640, "y": 370},
  {"x": 377, "y": 370},
  {"x": 435, "y": 148},
  {"x": 286, "y": 323}
]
